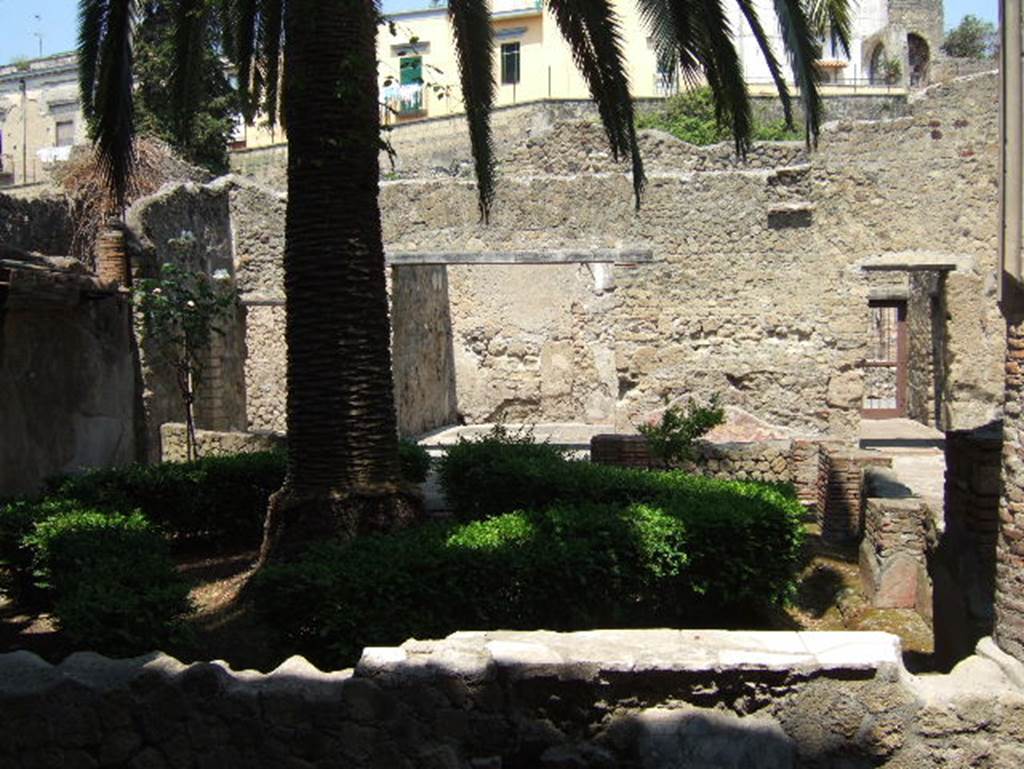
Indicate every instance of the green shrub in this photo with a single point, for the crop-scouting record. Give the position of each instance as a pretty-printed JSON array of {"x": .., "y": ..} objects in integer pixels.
[
  {"x": 215, "y": 499},
  {"x": 672, "y": 439},
  {"x": 112, "y": 580},
  {"x": 690, "y": 116},
  {"x": 415, "y": 461},
  {"x": 475, "y": 473},
  {"x": 567, "y": 567},
  {"x": 18, "y": 519},
  {"x": 219, "y": 500}
]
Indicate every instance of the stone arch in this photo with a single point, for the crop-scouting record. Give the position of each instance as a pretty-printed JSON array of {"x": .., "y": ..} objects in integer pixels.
[{"x": 918, "y": 59}]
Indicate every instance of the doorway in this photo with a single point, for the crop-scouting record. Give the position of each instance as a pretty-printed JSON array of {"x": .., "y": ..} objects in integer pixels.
[{"x": 885, "y": 368}]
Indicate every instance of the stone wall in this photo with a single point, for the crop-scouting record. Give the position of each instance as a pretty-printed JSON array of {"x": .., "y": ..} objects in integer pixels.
[
  {"x": 843, "y": 519},
  {"x": 757, "y": 289},
  {"x": 215, "y": 443},
  {"x": 67, "y": 373},
  {"x": 41, "y": 224},
  {"x": 636, "y": 699},
  {"x": 440, "y": 146},
  {"x": 421, "y": 348},
  {"x": 893, "y": 563},
  {"x": 1009, "y": 581},
  {"x": 926, "y": 328},
  {"x": 963, "y": 565}
]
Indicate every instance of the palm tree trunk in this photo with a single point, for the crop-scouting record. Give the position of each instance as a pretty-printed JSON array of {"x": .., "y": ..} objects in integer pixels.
[{"x": 343, "y": 470}]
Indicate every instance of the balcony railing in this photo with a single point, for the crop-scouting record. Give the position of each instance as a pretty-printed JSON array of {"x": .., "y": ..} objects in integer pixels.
[{"x": 500, "y": 7}]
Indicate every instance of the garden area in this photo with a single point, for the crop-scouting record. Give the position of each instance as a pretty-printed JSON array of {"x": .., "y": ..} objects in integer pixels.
[{"x": 127, "y": 560}]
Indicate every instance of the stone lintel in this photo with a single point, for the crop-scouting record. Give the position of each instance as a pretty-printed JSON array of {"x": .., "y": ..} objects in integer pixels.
[
  {"x": 552, "y": 256},
  {"x": 909, "y": 267}
]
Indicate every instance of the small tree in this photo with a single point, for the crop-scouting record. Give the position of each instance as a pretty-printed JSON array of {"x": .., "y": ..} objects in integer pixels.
[
  {"x": 181, "y": 311},
  {"x": 671, "y": 439},
  {"x": 972, "y": 38}
]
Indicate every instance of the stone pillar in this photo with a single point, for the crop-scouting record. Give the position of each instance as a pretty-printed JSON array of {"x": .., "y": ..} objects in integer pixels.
[{"x": 1009, "y": 594}]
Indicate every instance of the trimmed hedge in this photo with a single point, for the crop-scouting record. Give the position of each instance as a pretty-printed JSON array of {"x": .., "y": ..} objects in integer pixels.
[
  {"x": 112, "y": 581},
  {"x": 212, "y": 500},
  {"x": 591, "y": 546},
  {"x": 215, "y": 499}
]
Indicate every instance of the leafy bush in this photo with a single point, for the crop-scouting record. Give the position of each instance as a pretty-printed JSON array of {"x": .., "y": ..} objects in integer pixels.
[
  {"x": 671, "y": 440},
  {"x": 568, "y": 567},
  {"x": 17, "y": 521},
  {"x": 690, "y": 116},
  {"x": 112, "y": 580},
  {"x": 474, "y": 473},
  {"x": 215, "y": 499},
  {"x": 415, "y": 461}
]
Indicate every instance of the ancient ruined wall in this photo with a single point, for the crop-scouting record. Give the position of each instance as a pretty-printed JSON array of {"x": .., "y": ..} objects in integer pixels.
[
  {"x": 188, "y": 225},
  {"x": 67, "y": 375},
  {"x": 756, "y": 290},
  {"x": 636, "y": 699},
  {"x": 421, "y": 348},
  {"x": 41, "y": 224},
  {"x": 926, "y": 354},
  {"x": 440, "y": 146},
  {"x": 1009, "y": 576},
  {"x": 963, "y": 564}
]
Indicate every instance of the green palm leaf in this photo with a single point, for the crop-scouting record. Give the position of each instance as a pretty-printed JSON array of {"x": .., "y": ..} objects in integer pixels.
[
  {"x": 105, "y": 80},
  {"x": 474, "y": 45},
  {"x": 591, "y": 29},
  {"x": 750, "y": 14},
  {"x": 804, "y": 50},
  {"x": 190, "y": 25},
  {"x": 833, "y": 18}
]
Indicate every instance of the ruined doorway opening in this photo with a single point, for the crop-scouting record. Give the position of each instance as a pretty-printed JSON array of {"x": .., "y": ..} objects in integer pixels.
[
  {"x": 919, "y": 57},
  {"x": 885, "y": 368}
]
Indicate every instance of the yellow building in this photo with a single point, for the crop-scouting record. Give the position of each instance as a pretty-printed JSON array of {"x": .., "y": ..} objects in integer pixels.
[
  {"x": 419, "y": 71},
  {"x": 40, "y": 117}
]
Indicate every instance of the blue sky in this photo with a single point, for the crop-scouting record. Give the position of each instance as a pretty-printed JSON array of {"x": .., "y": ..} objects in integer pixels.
[{"x": 55, "y": 20}]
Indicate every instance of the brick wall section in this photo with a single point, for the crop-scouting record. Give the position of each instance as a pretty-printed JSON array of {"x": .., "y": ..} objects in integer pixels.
[
  {"x": 1009, "y": 623},
  {"x": 810, "y": 464},
  {"x": 964, "y": 563},
  {"x": 844, "y": 506},
  {"x": 802, "y": 463}
]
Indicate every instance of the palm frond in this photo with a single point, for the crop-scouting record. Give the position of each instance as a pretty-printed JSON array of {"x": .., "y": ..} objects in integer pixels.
[
  {"x": 833, "y": 18},
  {"x": 92, "y": 19},
  {"x": 190, "y": 25},
  {"x": 591, "y": 28},
  {"x": 268, "y": 55},
  {"x": 724, "y": 72},
  {"x": 750, "y": 14},
  {"x": 804, "y": 50},
  {"x": 245, "y": 14},
  {"x": 106, "y": 83},
  {"x": 474, "y": 46}
]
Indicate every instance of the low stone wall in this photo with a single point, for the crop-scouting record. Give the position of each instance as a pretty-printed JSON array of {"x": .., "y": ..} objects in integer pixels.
[
  {"x": 844, "y": 511},
  {"x": 211, "y": 443},
  {"x": 802, "y": 463},
  {"x": 650, "y": 699},
  {"x": 893, "y": 551}
]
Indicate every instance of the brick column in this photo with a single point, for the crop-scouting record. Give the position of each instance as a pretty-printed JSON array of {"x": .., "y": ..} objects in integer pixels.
[{"x": 1009, "y": 625}]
